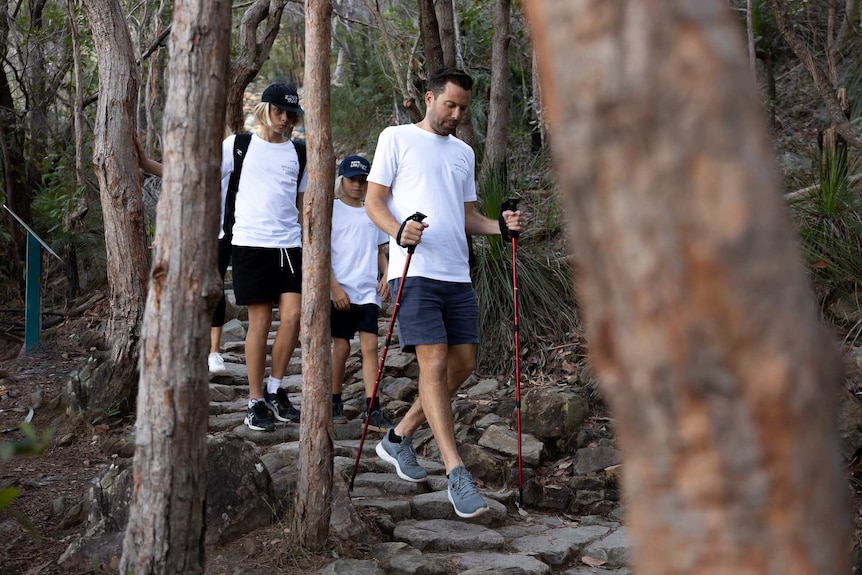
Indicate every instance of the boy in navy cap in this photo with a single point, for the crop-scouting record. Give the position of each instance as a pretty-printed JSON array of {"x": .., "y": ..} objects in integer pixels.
[{"x": 358, "y": 281}]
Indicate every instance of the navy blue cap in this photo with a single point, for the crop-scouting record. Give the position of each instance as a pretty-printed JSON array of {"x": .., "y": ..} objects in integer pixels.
[{"x": 353, "y": 166}]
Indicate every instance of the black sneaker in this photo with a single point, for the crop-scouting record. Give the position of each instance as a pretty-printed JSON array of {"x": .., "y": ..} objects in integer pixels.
[
  {"x": 338, "y": 413},
  {"x": 280, "y": 406},
  {"x": 258, "y": 418},
  {"x": 377, "y": 421}
]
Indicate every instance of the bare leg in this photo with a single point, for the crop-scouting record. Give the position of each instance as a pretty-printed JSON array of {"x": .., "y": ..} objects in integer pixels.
[
  {"x": 461, "y": 363},
  {"x": 215, "y": 339},
  {"x": 340, "y": 353},
  {"x": 370, "y": 360},
  {"x": 437, "y": 383},
  {"x": 259, "y": 322},
  {"x": 289, "y": 305}
]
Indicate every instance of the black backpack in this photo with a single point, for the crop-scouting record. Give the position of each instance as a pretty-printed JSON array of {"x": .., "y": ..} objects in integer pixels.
[{"x": 240, "y": 147}]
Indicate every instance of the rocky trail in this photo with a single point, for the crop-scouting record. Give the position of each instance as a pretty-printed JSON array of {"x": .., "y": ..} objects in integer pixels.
[{"x": 571, "y": 521}]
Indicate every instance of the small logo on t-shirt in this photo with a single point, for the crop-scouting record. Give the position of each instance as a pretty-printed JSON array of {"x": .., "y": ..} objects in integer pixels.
[
  {"x": 291, "y": 169},
  {"x": 461, "y": 166}
]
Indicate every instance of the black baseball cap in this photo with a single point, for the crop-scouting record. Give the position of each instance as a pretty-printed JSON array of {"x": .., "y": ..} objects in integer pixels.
[
  {"x": 353, "y": 166},
  {"x": 282, "y": 96}
]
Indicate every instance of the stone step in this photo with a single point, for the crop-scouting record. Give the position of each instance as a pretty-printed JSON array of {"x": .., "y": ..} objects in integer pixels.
[{"x": 421, "y": 531}]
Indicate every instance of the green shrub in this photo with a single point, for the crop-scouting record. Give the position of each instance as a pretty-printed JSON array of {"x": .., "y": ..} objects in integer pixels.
[{"x": 547, "y": 315}]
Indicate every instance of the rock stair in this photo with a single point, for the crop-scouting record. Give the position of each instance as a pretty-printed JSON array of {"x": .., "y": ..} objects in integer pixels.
[{"x": 419, "y": 532}]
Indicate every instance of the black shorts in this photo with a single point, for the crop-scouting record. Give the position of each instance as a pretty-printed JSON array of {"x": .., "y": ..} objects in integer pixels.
[
  {"x": 224, "y": 251},
  {"x": 261, "y": 275},
  {"x": 345, "y": 324}
]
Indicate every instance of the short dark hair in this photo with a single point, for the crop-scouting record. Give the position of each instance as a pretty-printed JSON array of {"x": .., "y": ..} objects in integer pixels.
[{"x": 439, "y": 78}]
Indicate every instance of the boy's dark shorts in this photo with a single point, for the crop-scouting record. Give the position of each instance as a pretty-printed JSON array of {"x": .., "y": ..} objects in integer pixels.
[
  {"x": 261, "y": 275},
  {"x": 433, "y": 311},
  {"x": 344, "y": 324}
]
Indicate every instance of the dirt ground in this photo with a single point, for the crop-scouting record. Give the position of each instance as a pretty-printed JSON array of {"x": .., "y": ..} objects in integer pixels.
[{"x": 50, "y": 510}]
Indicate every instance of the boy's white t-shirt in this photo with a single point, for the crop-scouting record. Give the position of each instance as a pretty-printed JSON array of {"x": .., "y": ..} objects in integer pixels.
[
  {"x": 266, "y": 212},
  {"x": 434, "y": 175},
  {"x": 355, "y": 240}
]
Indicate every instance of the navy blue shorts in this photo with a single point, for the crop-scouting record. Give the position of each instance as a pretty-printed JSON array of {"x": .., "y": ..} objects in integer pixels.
[
  {"x": 433, "y": 311},
  {"x": 261, "y": 275},
  {"x": 345, "y": 323}
]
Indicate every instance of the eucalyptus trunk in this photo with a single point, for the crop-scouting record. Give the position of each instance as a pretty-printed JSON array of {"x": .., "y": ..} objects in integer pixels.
[
  {"x": 253, "y": 52},
  {"x": 115, "y": 159},
  {"x": 446, "y": 22},
  {"x": 16, "y": 190},
  {"x": 701, "y": 325},
  {"x": 165, "y": 532},
  {"x": 494, "y": 161},
  {"x": 429, "y": 32},
  {"x": 314, "y": 485}
]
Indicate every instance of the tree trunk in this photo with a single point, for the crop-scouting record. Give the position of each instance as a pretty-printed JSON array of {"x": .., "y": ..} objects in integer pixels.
[
  {"x": 314, "y": 485},
  {"x": 165, "y": 533},
  {"x": 446, "y": 21},
  {"x": 16, "y": 188},
  {"x": 73, "y": 219},
  {"x": 449, "y": 40},
  {"x": 114, "y": 159},
  {"x": 702, "y": 327},
  {"x": 252, "y": 55},
  {"x": 494, "y": 162},
  {"x": 37, "y": 93},
  {"x": 429, "y": 31}
]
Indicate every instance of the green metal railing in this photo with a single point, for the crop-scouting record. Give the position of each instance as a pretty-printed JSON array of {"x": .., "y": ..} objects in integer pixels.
[{"x": 33, "y": 289}]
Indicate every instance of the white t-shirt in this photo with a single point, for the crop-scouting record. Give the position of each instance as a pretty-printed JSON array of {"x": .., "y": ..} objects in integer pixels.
[
  {"x": 434, "y": 175},
  {"x": 266, "y": 213},
  {"x": 355, "y": 239}
]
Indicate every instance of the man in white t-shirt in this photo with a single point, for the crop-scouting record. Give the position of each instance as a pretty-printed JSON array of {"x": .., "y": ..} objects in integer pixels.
[{"x": 424, "y": 168}]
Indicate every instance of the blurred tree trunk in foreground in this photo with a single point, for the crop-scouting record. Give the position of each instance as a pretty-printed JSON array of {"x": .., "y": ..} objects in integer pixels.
[
  {"x": 165, "y": 533},
  {"x": 700, "y": 321}
]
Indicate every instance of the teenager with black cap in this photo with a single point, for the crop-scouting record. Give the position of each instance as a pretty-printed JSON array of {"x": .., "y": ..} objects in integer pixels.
[
  {"x": 266, "y": 237},
  {"x": 358, "y": 282}
]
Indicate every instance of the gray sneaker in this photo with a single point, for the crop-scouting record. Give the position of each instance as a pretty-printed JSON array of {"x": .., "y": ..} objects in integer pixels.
[
  {"x": 402, "y": 456},
  {"x": 463, "y": 494}
]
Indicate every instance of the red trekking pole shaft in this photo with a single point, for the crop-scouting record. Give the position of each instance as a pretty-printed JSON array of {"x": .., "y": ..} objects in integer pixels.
[
  {"x": 417, "y": 217},
  {"x": 512, "y": 205}
]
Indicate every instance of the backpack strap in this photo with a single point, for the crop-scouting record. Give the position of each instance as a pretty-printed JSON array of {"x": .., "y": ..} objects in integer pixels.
[
  {"x": 240, "y": 147},
  {"x": 302, "y": 154}
]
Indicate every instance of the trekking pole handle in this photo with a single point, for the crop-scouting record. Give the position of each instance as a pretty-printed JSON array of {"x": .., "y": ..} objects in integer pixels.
[
  {"x": 511, "y": 205},
  {"x": 417, "y": 217}
]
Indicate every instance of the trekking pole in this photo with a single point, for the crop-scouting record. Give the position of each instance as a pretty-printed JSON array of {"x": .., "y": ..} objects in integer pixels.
[
  {"x": 417, "y": 217},
  {"x": 512, "y": 205}
]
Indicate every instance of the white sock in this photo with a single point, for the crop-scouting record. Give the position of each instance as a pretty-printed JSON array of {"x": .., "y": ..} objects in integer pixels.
[
  {"x": 252, "y": 401},
  {"x": 272, "y": 384}
]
